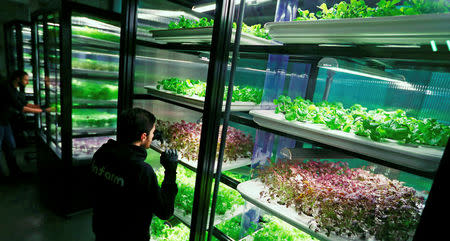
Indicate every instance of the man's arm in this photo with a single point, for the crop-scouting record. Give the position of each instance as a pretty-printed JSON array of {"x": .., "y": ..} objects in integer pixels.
[
  {"x": 163, "y": 198},
  {"x": 28, "y": 109}
]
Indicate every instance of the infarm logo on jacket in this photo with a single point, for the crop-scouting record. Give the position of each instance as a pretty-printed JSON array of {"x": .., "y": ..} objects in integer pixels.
[{"x": 110, "y": 176}]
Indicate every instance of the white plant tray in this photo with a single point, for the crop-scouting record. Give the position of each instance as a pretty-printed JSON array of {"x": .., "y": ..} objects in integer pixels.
[
  {"x": 423, "y": 158},
  {"x": 226, "y": 166},
  {"x": 196, "y": 101},
  {"x": 250, "y": 191},
  {"x": 186, "y": 219},
  {"x": 202, "y": 35},
  {"x": 413, "y": 29}
]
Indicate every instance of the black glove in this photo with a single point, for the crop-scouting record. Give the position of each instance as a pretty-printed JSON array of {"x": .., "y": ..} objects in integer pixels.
[
  {"x": 169, "y": 160},
  {"x": 157, "y": 135}
]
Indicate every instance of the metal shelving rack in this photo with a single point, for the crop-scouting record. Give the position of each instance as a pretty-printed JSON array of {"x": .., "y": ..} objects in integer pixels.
[
  {"x": 62, "y": 170},
  {"x": 420, "y": 57}
]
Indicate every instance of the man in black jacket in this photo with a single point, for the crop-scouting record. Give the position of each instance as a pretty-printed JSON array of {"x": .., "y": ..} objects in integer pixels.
[
  {"x": 12, "y": 104},
  {"x": 126, "y": 191}
]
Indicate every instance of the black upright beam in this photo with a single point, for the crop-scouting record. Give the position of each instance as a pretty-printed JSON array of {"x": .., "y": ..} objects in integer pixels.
[
  {"x": 431, "y": 225},
  {"x": 65, "y": 45},
  {"x": 127, "y": 54},
  {"x": 35, "y": 68},
  {"x": 211, "y": 117},
  {"x": 19, "y": 46}
]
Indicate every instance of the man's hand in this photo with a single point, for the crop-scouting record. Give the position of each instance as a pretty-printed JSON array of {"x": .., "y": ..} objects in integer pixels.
[{"x": 169, "y": 160}]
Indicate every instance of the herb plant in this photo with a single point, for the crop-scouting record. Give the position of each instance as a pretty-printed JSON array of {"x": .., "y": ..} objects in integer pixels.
[
  {"x": 185, "y": 137},
  {"x": 198, "y": 88},
  {"x": 344, "y": 201},
  {"x": 359, "y": 9},
  {"x": 183, "y": 22},
  {"x": 378, "y": 124}
]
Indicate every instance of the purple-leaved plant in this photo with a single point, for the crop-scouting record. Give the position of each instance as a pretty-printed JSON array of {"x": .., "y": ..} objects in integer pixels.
[
  {"x": 185, "y": 137},
  {"x": 344, "y": 201}
]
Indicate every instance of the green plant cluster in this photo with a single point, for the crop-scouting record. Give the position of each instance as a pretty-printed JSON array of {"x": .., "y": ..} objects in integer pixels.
[
  {"x": 94, "y": 90},
  {"x": 159, "y": 230},
  {"x": 272, "y": 225},
  {"x": 227, "y": 198},
  {"x": 359, "y": 9},
  {"x": 183, "y": 22},
  {"x": 269, "y": 228},
  {"x": 188, "y": 23},
  {"x": 95, "y": 34},
  {"x": 378, "y": 124},
  {"x": 196, "y": 87},
  {"x": 90, "y": 64},
  {"x": 92, "y": 118}
]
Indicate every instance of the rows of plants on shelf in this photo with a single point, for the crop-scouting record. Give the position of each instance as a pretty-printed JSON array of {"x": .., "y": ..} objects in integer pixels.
[
  {"x": 351, "y": 202},
  {"x": 185, "y": 137},
  {"x": 185, "y": 23},
  {"x": 90, "y": 64},
  {"x": 191, "y": 87},
  {"x": 269, "y": 228},
  {"x": 359, "y": 9},
  {"x": 85, "y": 118},
  {"x": 88, "y": 145},
  {"x": 379, "y": 125},
  {"x": 228, "y": 199},
  {"x": 95, "y": 34},
  {"x": 95, "y": 90}
]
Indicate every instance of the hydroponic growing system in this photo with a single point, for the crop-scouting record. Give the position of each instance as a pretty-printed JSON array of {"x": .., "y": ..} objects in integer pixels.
[
  {"x": 76, "y": 55},
  {"x": 293, "y": 121}
]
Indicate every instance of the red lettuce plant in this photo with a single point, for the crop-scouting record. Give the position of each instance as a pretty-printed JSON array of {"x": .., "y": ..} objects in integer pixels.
[
  {"x": 345, "y": 201},
  {"x": 185, "y": 137}
]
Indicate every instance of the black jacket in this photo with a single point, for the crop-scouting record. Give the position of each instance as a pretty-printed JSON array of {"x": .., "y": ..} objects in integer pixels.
[
  {"x": 11, "y": 103},
  {"x": 126, "y": 193}
]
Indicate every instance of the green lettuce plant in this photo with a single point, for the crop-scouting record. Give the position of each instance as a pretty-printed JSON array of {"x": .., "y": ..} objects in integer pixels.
[
  {"x": 185, "y": 23},
  {"x": 191, "y": 87},
  {"x": 359, "y": 9},
  {"x": 378, "y": 125}
]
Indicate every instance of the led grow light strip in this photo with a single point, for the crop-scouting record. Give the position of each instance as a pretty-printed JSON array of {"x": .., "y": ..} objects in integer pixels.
[
  {"x": 339, "y": 65},
  {"x": 201, "y": 8}
]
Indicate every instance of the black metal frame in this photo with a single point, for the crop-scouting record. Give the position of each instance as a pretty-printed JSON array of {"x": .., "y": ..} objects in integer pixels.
[{"x": 18, "y": 63}]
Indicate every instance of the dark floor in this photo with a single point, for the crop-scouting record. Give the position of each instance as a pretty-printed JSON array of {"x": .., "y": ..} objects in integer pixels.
[{"x": 24, "y": 218}]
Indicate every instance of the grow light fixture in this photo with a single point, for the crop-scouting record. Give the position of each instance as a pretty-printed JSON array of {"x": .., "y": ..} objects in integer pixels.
[
  {"x": 206, "y": 7},
  {"x": 343, "y": 66}
]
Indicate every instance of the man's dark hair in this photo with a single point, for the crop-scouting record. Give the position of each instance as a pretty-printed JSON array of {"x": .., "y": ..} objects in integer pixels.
[
  {"x": 134, "y": 122},
  {"x": 17, "y": 74}
]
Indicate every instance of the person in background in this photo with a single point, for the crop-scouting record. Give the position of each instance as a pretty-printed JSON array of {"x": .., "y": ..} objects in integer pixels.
[
  {"x": 12, "y": 104},
  {"x": 125, "y": 188}
]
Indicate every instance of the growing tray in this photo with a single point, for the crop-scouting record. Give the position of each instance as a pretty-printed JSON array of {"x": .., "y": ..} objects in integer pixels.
[
  {"x": 226, "y": 166},
  {"x": 422, "y": 158},
  {"x": 196, "y": 101},
  {"x": 413, "y": 29},
  {"x": 202, "y": 35},
  {"x": 250, "y": 191},
  {"x": 186, "y": 219}
]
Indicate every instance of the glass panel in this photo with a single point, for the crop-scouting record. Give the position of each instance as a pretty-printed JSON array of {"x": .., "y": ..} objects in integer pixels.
[
  {"x": 95, "y": 69},
  {"x": 26, "y": 37},
  {"x": 358, "y": 139},
  {"x": 179, "y": 113},
  {"x": 54, "y": 77}
]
